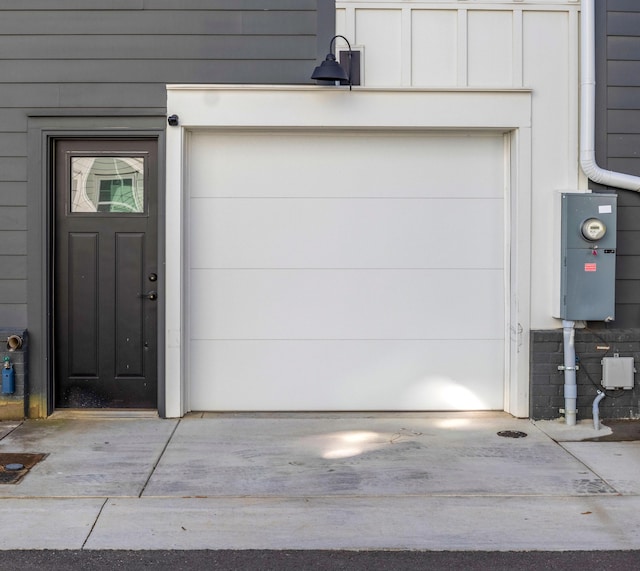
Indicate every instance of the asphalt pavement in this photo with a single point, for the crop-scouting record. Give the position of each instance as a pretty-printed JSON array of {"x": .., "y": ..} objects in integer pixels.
[{"x": 318, "y": 560}]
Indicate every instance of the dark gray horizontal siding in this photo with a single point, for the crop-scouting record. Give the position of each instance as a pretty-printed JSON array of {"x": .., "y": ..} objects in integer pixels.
[
  {"x": 63, "y": 5},
  {"x": 623, "y": 73},
  {"x": 629, "y": 200},
  {"x": 12, "y": 120},
  {"x": 13, "y": 243},
  {"x": 108, "y": 98},
  {"x": 72, "y": 5},
  {"x": 114, "y": 95},
  {"x": 623, "y": 5},
  {"x": 623, "y": 23},
  {"x": 624, "y": 48},
  {"x": 13, "y": 144},
  {"x": 13, "y": 194},
  {"x": 623, "y": 97},
  {"x": 155, "y": 71},
  {"x": 624, "y": 145},
  {"x": 14, "y": 267},
  {"x": 627, "y": 316},
  {"x": 13, "y": 291},
  {"x": 156, "y": 47},
  {"x": 13, "y": 169},
  {"x": 626, "y": 165},
  {"x": 623, "y": 121},
  {"x": 629, "y": 291},
  {"x": 114, "y": 58},
  {"x": 628, "y": 267},
  {"x": 628, "y": 243},
  {"x": 14, "y": 313},
  {"x": 23, "y": 26},
  {"x": 20, "y": 97},
  {"x": 628, "y": 217},
  {"x": 229, "y": 5},
  {"x": 13, "y": 218}
]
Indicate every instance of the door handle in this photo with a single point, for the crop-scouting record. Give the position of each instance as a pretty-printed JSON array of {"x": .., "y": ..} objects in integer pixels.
[{"x": 152, "y": 295}]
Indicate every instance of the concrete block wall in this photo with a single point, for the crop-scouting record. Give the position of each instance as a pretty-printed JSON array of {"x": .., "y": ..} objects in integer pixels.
[{"x": 547, "y": 382}]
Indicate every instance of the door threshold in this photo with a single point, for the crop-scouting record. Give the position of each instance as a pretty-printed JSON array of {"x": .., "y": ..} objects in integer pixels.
[{"x": 103, "y": 413}]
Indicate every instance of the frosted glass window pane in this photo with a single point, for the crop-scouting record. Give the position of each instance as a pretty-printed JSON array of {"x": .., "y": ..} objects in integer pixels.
[{"x": 107, "y": 184}]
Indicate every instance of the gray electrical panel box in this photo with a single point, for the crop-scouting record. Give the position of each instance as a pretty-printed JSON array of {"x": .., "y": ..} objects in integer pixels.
[{"x": 588, "y": 256}]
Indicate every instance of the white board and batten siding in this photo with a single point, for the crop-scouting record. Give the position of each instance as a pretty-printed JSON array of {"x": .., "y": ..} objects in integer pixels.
[
  {"x": 532, "y": 44},
  {"x": 379, "y": 287}
]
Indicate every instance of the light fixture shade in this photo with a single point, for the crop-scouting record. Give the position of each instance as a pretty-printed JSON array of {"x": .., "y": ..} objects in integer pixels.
[{"x": 330, "y": 70}]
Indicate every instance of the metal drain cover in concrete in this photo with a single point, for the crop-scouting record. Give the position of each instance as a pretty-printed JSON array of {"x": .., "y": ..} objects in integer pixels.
[
  {"x": 512, "y": 434},
  {"x": 9, "y": 462}
]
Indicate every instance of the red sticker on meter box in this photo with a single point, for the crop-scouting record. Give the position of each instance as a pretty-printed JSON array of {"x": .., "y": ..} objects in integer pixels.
[{"x": 590, "y": 267}]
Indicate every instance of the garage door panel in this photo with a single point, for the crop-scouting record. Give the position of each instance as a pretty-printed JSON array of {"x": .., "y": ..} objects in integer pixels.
[
  {"x": 372, "y": 164},
  {"x": 355, "y": 375},
  {"x": 346, "y": 233},
  {"x": 347, "y": 304},
  {"x": 382, "y": 288}
]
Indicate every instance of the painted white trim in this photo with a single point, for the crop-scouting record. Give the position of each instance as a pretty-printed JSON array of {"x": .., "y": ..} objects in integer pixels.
[
  {"x": 463, "y": 47},
  {"x": 310, "y": 107},
  {"x": 519, "y": 290},
  {"x": 406, "y": 50},
  {"x": 539, "y": 5},
  {"x": 174, "y": 288}
]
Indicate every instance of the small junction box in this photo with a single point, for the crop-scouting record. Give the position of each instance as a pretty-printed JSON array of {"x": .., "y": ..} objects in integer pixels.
[{"x": 618, "y": 372}]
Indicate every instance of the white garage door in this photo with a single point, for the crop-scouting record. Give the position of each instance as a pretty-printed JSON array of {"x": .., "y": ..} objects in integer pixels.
[{"x": 346, "y": 271}]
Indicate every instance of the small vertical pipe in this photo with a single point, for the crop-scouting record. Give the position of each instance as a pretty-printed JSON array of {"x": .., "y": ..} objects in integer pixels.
[
  {"x": 596, "y": 411},
  {"x": 570, "y": 386}
]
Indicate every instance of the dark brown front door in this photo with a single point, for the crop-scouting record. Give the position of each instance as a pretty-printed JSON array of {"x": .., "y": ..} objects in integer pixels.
[{"x": 105, "y": 274}]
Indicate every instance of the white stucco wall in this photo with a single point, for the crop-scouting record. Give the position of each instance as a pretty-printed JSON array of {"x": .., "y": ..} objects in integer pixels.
[{"x": 500, "y": 44}]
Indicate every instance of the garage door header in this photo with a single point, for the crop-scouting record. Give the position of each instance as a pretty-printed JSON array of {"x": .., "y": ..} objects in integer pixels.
[{"x": 220, "y": 106}]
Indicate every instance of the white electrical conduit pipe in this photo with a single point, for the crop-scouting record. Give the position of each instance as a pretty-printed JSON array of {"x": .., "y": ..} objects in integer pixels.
[
  {"x": 570, "y": 386},
  {"x": 588, "y": 108},
  {"x": 596, "y": 410}
]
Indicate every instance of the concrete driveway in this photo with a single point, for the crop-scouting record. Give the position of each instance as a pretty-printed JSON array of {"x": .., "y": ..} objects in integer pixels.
[{"x": 321, "y": 481}]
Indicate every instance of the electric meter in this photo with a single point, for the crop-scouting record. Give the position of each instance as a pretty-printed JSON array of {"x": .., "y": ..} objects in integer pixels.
[
  {"x": 586, "y": 265},
  {"x": 593, "y": 229}
]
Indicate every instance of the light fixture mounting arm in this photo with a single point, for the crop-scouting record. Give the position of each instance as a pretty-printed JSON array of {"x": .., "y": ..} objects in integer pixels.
[
  {"x": 330, "y": 69},
  {"x": 332, "y": 51}
]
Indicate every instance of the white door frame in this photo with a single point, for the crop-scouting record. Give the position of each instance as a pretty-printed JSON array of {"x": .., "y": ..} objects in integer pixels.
[{"x": 300, "y": 107}]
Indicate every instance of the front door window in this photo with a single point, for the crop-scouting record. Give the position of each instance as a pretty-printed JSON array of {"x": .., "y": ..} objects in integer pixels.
[{"x": 107, "y": 184}]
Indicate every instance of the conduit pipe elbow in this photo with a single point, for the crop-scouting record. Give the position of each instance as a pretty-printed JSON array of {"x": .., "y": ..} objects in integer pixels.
[{"x": 596, "y": 411}]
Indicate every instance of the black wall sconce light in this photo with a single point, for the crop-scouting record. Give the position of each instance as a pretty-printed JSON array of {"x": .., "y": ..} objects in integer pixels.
[{"x": 331, "y": 70}]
